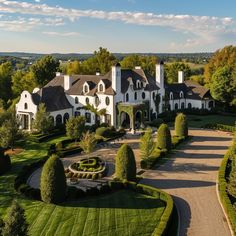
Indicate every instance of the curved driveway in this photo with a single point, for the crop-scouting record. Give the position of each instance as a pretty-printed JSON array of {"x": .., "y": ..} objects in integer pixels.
[{"x": 190, "y": 177}]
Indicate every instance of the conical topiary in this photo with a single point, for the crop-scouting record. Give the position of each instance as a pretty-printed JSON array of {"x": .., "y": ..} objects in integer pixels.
[
  {"x": 125, "y": 168},
  {"x": 164, "y": 137},
  {"x": 53, "y": 181},
  {"x": 15, "y": 223},
  {"x": 181, "y": 125}
]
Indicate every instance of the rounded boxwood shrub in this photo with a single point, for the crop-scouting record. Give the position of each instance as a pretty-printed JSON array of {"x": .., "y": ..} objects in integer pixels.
[
  {"x": 125, "y": 167},
  {"x": 53, "y": 181},
  {"x": 181, "y": 125},
  {"x": 5, "y": 162},
  {"x": 164, "y": 137}
]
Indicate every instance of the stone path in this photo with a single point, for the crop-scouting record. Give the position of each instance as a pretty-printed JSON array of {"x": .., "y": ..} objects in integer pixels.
[{"x": 190, "y": 177}]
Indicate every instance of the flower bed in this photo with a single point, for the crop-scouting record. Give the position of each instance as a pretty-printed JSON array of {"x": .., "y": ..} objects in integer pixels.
[{"x": 89, "y": 168}]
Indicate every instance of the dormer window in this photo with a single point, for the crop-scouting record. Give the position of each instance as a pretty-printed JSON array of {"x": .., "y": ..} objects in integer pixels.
[
  {"x": 86, "y": 87},
  {"x": 101, "y": 88},
  {"x": 181, "y": 94},
  {"x": 138, "y": 84},
  {"x": 26, "y": 106},
  {"x": 171, "y": 96}
]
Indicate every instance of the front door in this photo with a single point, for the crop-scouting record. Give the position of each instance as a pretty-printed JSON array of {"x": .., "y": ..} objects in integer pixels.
[{"x": 26, "y": 122}]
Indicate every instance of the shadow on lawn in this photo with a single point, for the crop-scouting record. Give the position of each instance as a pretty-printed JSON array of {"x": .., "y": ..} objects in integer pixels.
[{"x": 123, "y": 199}]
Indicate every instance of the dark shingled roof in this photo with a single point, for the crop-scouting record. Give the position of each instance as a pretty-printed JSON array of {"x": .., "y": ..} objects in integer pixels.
[
  {"x": 53, "y": 97},
  {"x": 191, "y": 90}
]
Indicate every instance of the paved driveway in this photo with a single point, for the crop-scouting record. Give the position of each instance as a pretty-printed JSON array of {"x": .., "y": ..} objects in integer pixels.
[{"x": 190, "y": 177}]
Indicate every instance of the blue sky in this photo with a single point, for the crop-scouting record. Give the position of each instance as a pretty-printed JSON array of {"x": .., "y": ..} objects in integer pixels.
[{"x": 81, "y": 26}]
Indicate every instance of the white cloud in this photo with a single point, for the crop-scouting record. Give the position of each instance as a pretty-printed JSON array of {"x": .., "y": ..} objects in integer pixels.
[
  {"x": 64, "y": 34},
  {"x": 207, "y": 28},
  {"x": 22, "y": 24}
]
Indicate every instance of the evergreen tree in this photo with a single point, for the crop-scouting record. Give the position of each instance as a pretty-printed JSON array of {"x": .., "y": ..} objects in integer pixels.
[
  {"x": 146, "y": 144},
  {"x": 181, "y": 125},
  {"x": 163, "y": 137},
  {"x": 53, "y": 181},
  {"x": 125, "y": 166},
  {"x": 75, "y": 127},
  {"x": 42, "y": 122},
  {"x": 9, "y": 131},
  {"x": 15, "y": 224},
  {"x": 88, "y": 142}
]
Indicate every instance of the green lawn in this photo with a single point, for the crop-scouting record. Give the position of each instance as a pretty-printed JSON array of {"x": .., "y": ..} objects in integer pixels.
[
  {"x": 120, "y": 213},
  {"x": 200, "y": 121}
]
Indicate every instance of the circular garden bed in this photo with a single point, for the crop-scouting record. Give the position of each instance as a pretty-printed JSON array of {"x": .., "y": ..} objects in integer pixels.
[{"x": 87, "y": 168}]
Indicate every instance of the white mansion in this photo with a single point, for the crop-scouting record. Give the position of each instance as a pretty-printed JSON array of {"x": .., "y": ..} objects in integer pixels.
[{"x": 129, "y": 97}]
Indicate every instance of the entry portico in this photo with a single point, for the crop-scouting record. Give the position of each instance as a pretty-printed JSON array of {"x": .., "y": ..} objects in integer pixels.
[{"x": 133, "y": 113}]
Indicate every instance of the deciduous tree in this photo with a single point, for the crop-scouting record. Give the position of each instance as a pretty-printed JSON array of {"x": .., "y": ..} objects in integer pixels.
[
  {"x": 45, "y": 70},
  {"x": 42, "y": 122}
]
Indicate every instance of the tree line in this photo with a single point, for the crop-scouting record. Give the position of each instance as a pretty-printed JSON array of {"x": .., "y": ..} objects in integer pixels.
[{"x": 218, "y": 74}]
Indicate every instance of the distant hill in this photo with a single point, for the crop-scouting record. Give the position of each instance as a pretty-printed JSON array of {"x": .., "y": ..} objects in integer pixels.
[{"x": 189, "y": 57}]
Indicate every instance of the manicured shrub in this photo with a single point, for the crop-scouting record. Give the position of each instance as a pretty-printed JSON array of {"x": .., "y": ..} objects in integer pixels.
[
  {"x": 53, "y": 181},
  {"x": 5, "y": 162},
  {"x": 59, "y": 146},
  {"x": 232, "y": 179},
  {"x": 15, "y": 223},
  {"x": 125, "y": 166},
  {"x": 164, "y": 137},
  {"x": 181, "y": 125},
  {"x": 146, "y": 145}
]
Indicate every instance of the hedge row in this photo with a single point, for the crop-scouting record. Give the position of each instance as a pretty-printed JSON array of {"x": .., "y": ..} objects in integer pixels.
[
  {"x": 222, "y": 187},
  {"x": 39, "y": 138},
  {"x": 169, "y": 116},
  {"x": 227, "y": 128},
  {"x": 61, "y": 150},
  {"x": 21, "y": 185},
  {"x": 147, "y": 164}
]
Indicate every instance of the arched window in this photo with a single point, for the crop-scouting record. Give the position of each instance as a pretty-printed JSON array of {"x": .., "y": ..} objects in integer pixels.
[
  {"x": 25, "y": 95},
  {"x": 76, "y": 100},
  {"x": 176, "y": 106},
  {"x": 58, "y": 120},
  {"x": 66, "y": 117},
  {"x": 26, "y": 106},
  {"x": 203, "y": 106},
  {"x": 77, "y": 113},
  {"x": 153, "y": 95},
  {"x": 88, "y": 117},
  {"x": 171, "y": 96},
  {"x": 143, "y": 95},
  {"x": 182, "y": 105},
  {"x": 189, "y": 105},
  {"x": 135, "y": 96},
  {"x": 107, "y": 100},
  {"x": 96, "y": 101},
  {"x": 181, "y": 94},
  {"x": 138, "y": 84},
  {"x": 87, "y": 100},
  {"x": 85, "y": 88},
  {"x": 100, "y": 88},
  {"x": 127, "y": 97}
]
